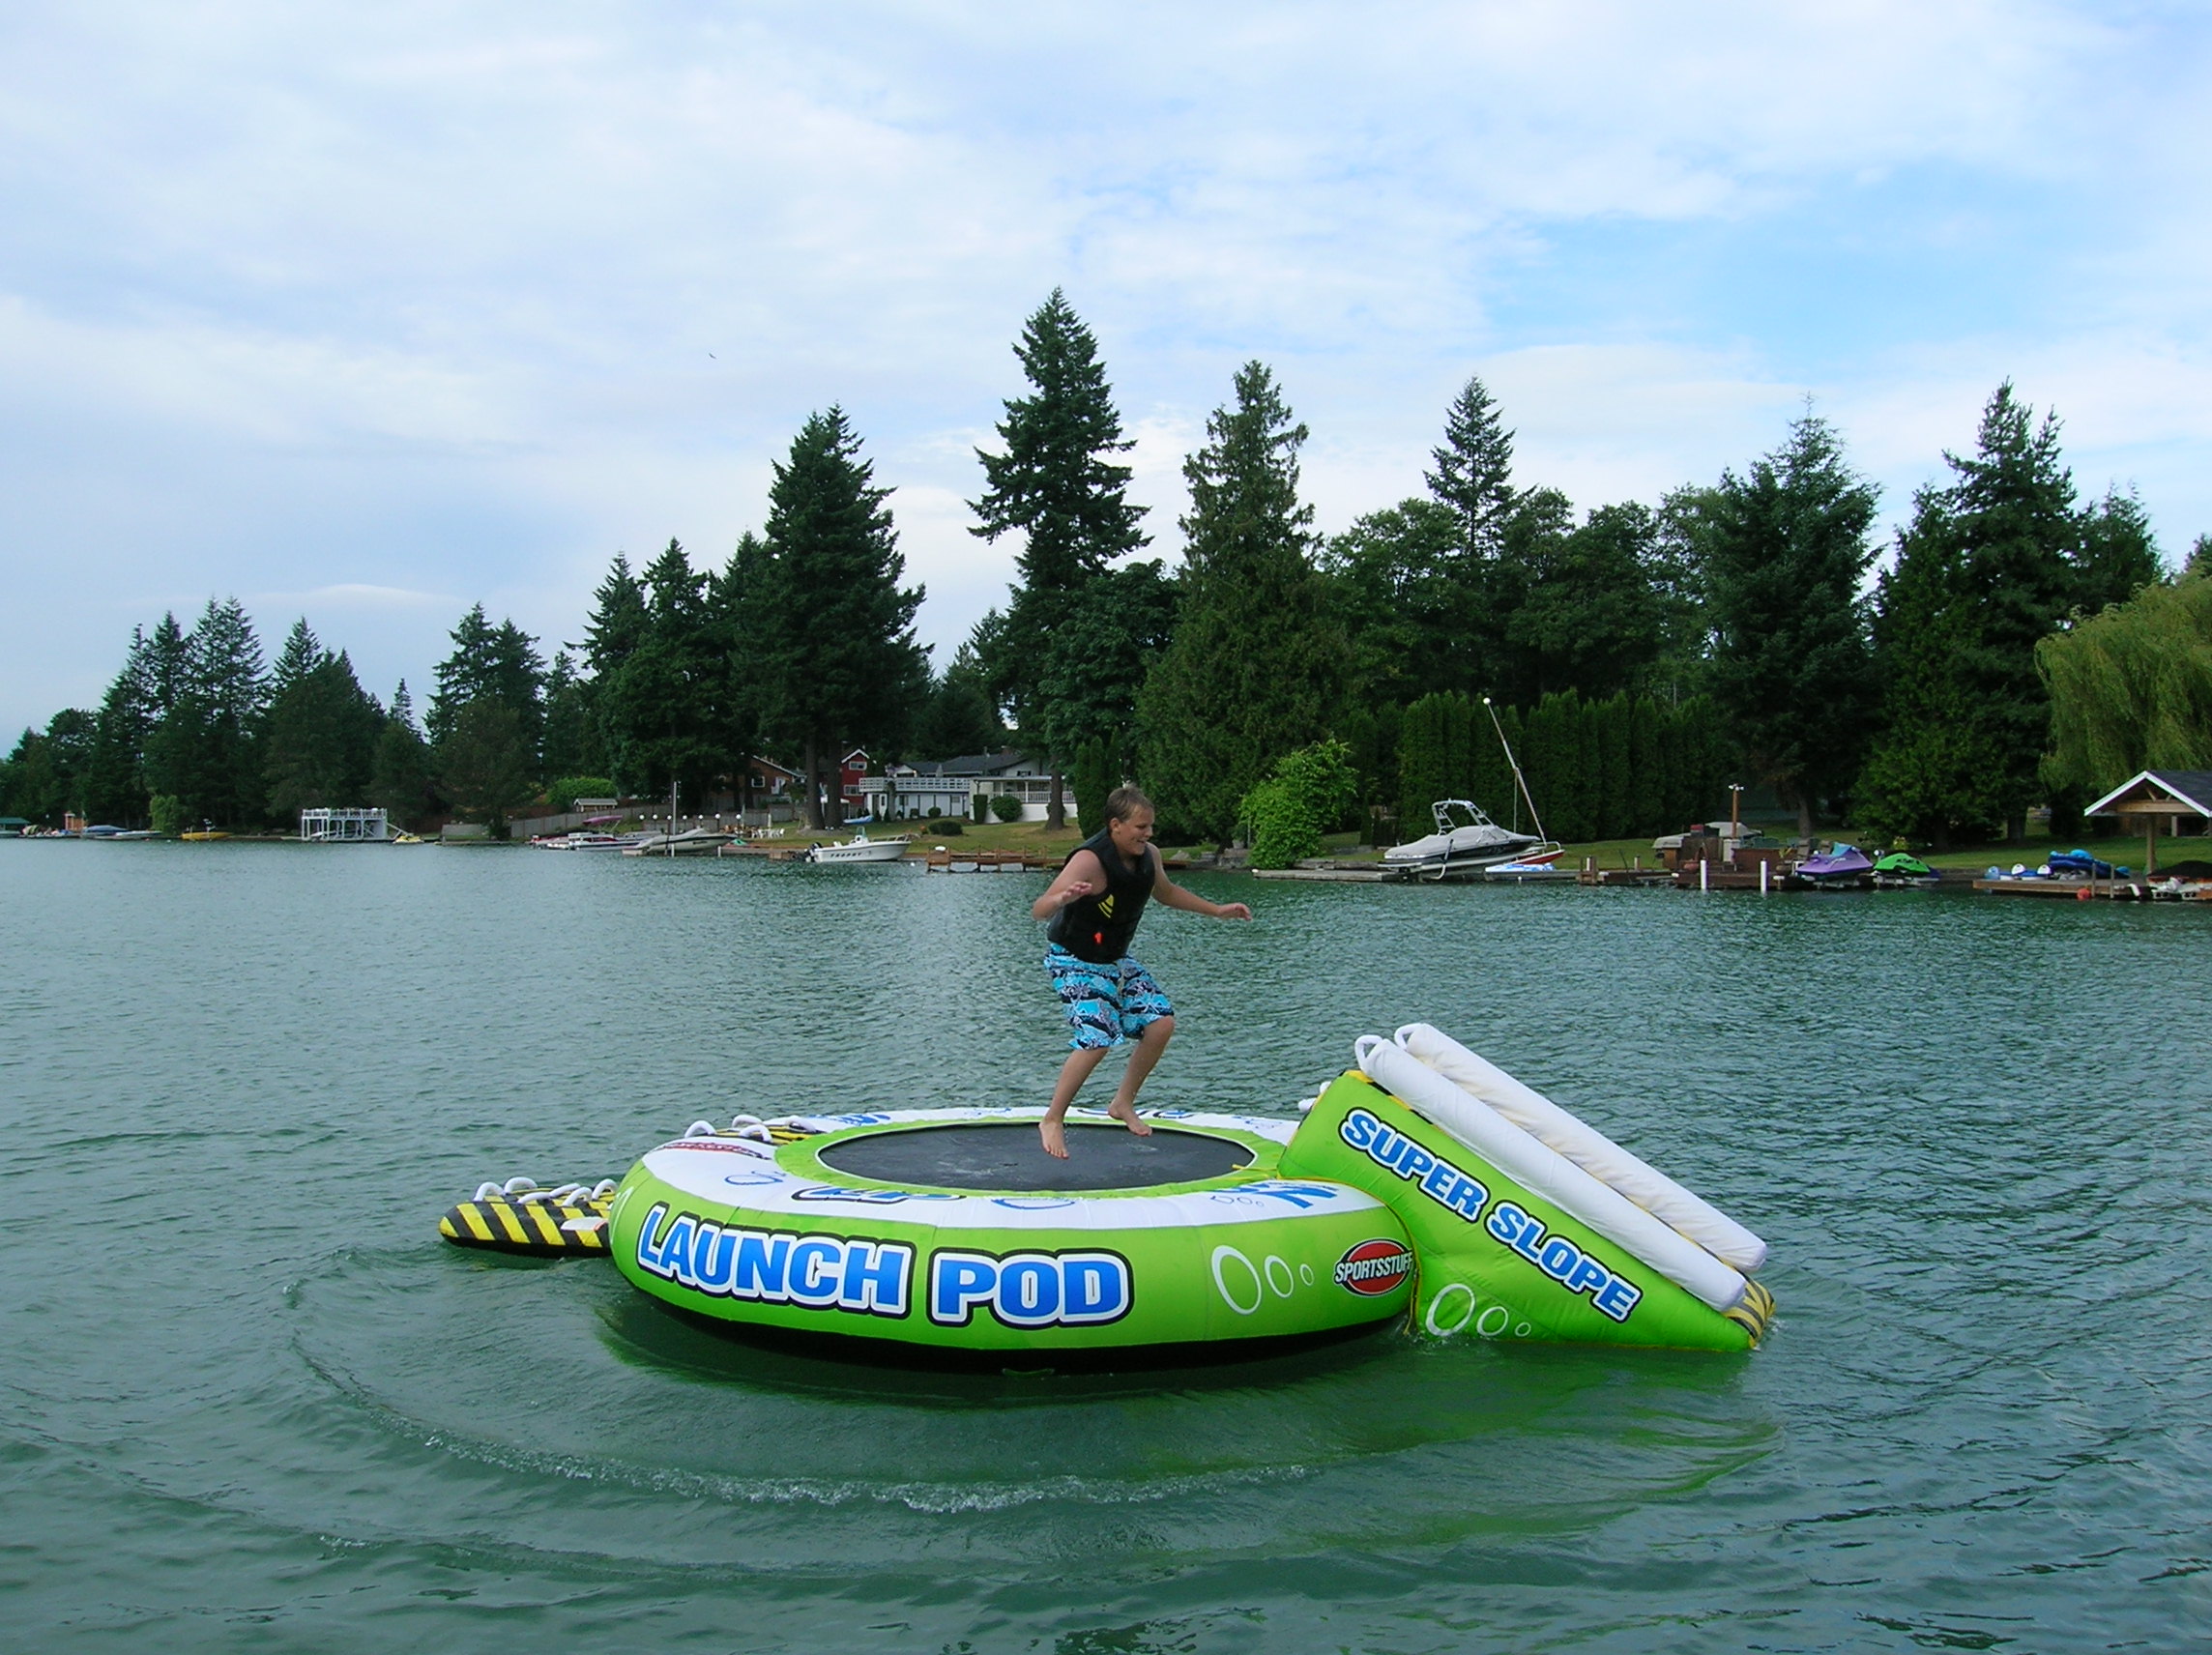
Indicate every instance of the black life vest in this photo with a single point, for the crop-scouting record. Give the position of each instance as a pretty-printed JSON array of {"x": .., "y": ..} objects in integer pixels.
[{"x": 1098, "y": 927}]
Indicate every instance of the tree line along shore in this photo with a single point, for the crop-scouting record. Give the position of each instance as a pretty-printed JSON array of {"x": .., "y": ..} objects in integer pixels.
[{"x": 2015, "y": 647}]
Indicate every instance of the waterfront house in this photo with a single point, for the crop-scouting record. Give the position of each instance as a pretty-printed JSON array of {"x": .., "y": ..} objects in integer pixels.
[{"x": 952, "y": 787}]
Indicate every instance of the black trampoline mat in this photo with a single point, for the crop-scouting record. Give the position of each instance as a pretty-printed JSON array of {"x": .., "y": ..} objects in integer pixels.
[{"x": 1005, "y": 1155}]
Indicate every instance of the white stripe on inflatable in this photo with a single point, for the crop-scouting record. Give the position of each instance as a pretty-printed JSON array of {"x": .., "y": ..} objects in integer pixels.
[
  {"x": 1587, "y": 1147},
  {"x": 1545, "y": 1171}
]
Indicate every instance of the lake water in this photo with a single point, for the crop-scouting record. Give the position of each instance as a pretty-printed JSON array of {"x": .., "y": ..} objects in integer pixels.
[{"x": 252, "y": 1403}]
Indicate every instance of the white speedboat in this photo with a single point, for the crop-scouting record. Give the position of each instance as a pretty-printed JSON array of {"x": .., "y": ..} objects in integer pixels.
[
  {"x": 692, "y": 842},
  {"x": 581, "y": 841},
  {"x": 860, "y": 847},
  {"x": 1465, "y": 844}
]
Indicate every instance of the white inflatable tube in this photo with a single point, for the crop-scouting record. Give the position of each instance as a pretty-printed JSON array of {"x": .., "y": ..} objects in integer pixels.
[
  {"x": 1587, "y": 1147},
  {"x": 1545, "y": 1171}
]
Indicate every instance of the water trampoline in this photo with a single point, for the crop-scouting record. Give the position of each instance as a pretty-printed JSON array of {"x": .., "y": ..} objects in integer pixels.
[{"x": 1424, "y": 1186}]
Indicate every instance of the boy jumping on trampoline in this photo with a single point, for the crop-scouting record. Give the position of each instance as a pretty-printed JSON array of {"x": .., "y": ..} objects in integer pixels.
[{"x": 1095, "y": 905}]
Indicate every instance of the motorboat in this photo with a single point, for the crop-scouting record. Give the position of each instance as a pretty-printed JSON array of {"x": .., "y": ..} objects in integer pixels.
[
  {"x": 1839, "y": 867},
  {"x": 1465, "y": 844},
  {"x": 582, "y": 841},
  {"x": 692, "y": 842},
  {"x": 860, "y": 847},
  {"x": 1536, "y": 869}
]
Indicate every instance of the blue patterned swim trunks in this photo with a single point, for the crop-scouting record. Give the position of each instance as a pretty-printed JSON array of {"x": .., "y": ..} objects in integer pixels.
[{"x": 1105, "y": 1005}]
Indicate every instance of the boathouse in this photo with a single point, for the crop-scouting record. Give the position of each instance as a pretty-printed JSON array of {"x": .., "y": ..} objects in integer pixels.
[{"x": 2179, "y": 800}]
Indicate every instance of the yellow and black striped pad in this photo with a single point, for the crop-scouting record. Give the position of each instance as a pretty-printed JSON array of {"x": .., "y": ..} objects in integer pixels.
[
  {"x": 539, "y": 1227},
  {"x": 1754, "y": 1311}
]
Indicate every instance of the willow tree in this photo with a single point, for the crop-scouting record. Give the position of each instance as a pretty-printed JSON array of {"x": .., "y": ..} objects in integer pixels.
[{"x": 2131, "y": 688}]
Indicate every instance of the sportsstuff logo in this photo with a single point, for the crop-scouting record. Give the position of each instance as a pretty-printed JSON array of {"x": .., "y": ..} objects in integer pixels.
[{"x": 1375, "y": 1267}]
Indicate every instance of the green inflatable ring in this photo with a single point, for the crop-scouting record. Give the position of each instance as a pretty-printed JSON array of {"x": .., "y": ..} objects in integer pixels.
[{"x": 816, "y": 1225}]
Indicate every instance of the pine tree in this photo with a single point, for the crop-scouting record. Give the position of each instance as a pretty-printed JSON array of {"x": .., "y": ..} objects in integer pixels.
[
  {"x": 839, "y": 661},
  {"x": 1253, "y": 670},
  {"x": 298, "y": 658},
  {"x": 115, "y": 783},
  {"x": 1473, "y": 474},
  {"x": 499, "y": 663},
  {"x": 400, "y": 779},
  {"x": 2119, "y": 554},
  {"x": 667, "y": 696},
  {"x": 1988, "y": 566},
  {"x": 320, "y": 738},
  {"x": 1058, "y": 485},
  {"x": 204, "y": 751},
  {"x": 1784, "y": 550},
  {"x": 486, "y": 762}
]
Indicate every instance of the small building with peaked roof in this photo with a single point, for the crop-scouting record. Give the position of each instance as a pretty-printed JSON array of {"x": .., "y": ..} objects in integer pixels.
[{"x": 2179, "y": 800}]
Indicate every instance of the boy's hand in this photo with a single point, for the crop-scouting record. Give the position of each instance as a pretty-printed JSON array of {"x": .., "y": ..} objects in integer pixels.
[
  {"x": 1232, "y": 911},
  {"x": 1076, "y": 892}
]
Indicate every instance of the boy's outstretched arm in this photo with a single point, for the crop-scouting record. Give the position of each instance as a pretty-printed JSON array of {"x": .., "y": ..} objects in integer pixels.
[{"x": 1165, "y": 889}]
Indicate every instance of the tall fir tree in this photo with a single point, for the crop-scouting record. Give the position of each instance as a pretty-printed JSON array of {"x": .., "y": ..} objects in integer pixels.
[
  {"x": 499, "y": 663},
  {"x": 319, "y": 739},
  {"x": 400, "y": 780},
  {"x": 1989, "y": 566},
  {"x": 839, "y": 666},
  {"x": 1783, "y": 551},
  {"x": 1252, "y": 672},
  {"x": 1059, "y": 486},
  {"x": 204, "y": 753}
]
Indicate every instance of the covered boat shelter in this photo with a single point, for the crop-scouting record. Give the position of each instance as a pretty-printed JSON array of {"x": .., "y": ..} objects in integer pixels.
[{"x": 2152, "y": 797}]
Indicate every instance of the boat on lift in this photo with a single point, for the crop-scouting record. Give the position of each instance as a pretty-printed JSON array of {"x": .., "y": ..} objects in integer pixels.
[{"x": 1465, "y": 844}]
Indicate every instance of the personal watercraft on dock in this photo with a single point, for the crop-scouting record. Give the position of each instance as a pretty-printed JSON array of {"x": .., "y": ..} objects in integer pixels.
[{"x": 1425, "y": 1183}]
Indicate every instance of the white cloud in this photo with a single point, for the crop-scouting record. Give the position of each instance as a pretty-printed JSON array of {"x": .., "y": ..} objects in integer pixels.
[{"x": 309, "y": 299}]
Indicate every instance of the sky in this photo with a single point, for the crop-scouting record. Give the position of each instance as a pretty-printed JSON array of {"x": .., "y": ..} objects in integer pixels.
[{"x": 368, "y": 314}]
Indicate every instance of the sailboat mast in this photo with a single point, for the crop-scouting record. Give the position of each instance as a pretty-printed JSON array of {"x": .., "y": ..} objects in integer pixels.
[{"x": 1518, "y": 780}]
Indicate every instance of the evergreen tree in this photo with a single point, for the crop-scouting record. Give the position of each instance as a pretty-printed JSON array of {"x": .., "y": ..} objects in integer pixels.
[
  {"x": 400, "y": 779},
  {"x": 499, "y": 663},
  {"x": 1608, "y": 745},
  {"x": 571, "y": 740},
  {"x": 1783, "y": 551},
  {"x": 1647, "y": 770},
  {"x": 48, "y": 774},
  {"x": 1093, "y": 776},
  {"x": 320, "y": 738},
  {"x": 1588, "y": 618},
  {"x": 116, "y": 774},
  {"x": 617, "y": 628},
  {"x": 1058, "y": 485},
  {"x": 2118, "y": 555},
  {"x": 666, "y": 698},
  {"x": 2199, "y": 557},
  {"x": 1252, "y": 672},
  {"x": 959, "y": 717},
  {"x": 1094, "y": 663},
  {"x": 484, "y": 762},
  {"x": 299, "y": 656},
  {"x": 1473, "y": 474},
  {"x": 839, "y": 661},
  {"x": 1988, "y": 566},
  {"x": 204, "y": 753},
  {"x": 1402, "y": 593}
]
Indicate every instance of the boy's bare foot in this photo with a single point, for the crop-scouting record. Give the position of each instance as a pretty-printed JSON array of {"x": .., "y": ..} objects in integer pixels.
[
  {"x": 1127, "y": 1114},
  {"x": 1054, "y": 1138}
]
